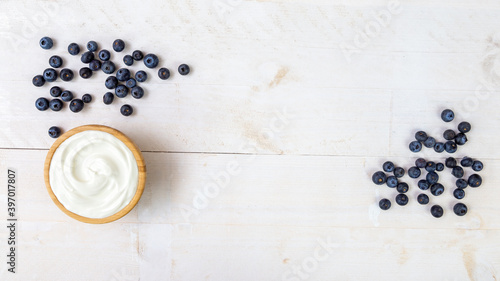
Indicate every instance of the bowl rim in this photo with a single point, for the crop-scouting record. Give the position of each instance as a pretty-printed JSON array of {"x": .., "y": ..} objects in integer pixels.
[{"x": 128, "y": 142}]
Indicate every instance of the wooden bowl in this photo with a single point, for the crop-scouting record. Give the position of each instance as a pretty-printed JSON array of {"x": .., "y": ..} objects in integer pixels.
[{"x": 140, "y": 165}]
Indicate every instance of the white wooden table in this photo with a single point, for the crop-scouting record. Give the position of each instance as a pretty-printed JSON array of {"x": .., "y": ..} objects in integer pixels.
[{"x": 260, "y": 160}]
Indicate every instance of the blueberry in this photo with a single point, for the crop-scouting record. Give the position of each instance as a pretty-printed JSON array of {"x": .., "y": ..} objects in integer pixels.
[
  {"x": 464, "y": 127},
  {"x": 415, "y": 146},
  {"x": 423, "y": 199},
  {"x": 66, "y": 96},
  {"x": 108, "y": 98},
  {"x": 123, "y": 74},
  {"x": 439, "y": 147},
  {"x": 73, "y": 49},
  {"x": 66, "y": 74},
  {"x": 379, "y": 178},
  {"x": 388, "y": 167},
  {"x": 55, "y": 104},
  {"x": 423, "y": 184},
  {"x": 432, "y": 177},
  {"x": 111, "y": 82},
  {"x": 121, "y": 91},
  {"x": 402, "y": 199},
  {"x": 55, "y": 91},
  {"x": 151, "y": 60},
  {"x": 384, "y": 204},
  {"x": 118, "y": 45},
  {"x": 50, "y": 75},
  {"x": 430, "y": 166},
  {"x": 437, "y": 189},
  {"x": 399, "y": 172},
  {"x": 450, "y": 147},
  {"x": 46, "y": 43},
  {"x": 131, "y": 83},
  {"x": 430, "y": 142},
  {"x": 477, "y": 165},
  {"x": 414, "y": 172},
  {"x": 450, "y": 162},
  {"x": 461, "y": 183},
  {"x": 128, "y": 60},
  {"x": 460, "y": 139},
  {"x": 391, "y": 181},
  {"x": 420, "y": 136},
  {"x": 76, "y": 105},
  {"x": 402, "y": 187},
  {"x": 38, "y": 81},
  {"x": 108, "y": 67},
  {"x": 447, "y": 115},
  {"x": 449, "y": 135},
  {"x": 466, "y": 162},
  {"x": 104, "y": 55},
  {"x": 54, "y": 132},
  {"x": 87, "y": 57},
  {"x": 141, "y": 76},
  {"x": 183, "y": 69},
  {"x": 92, "y": 46},
  {"x": 459, "y": 193},
  {"x": 137, "y": 55},
  {"x": 87, "y": 98},
  {"x": 126, "y": 110},
  {"x": 420, "y": 163},
  {"x": 95, "y": 65},
  {"x": 137, "y": 92},
  {"x": 439, "y": 167},
  {"x": 457, "y": 171},
  {"x": 85, "y": 72},
  {"x": 55, "y": 61},
  {"x": 163, "y": 73},
  {"x": 41, "y": 104},
  {"x": 437, "y": 211},
  {"x": 475, "y": 180},
  {"x": 460, "y": 209}
]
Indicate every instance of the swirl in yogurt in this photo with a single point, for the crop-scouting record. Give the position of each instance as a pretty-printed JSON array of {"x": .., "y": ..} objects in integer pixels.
[{"x": 93, "y": 174}]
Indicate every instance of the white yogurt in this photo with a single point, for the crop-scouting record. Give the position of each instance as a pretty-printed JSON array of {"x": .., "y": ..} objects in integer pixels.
[{"x": 93, "y": 174}]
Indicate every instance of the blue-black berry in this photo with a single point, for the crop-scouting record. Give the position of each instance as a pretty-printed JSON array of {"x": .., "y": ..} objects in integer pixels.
[
  {"x": 475, "y": 180},
  {"x": 126, "y": 110},
  {"x": 423, "y": 199},
  {"x": 402, "y": 187},
  {"x": 391, "y": 181},
  {"x": 42, "y": 104},
  {"x": 437, "y": 211},
  {"x": 450, "y": 147},
  {"x": 449, "y": 135},
  {"x": 87, "y": 98},
  {"x": 423, "y": 184},
  {"x": 163, "y": 73},
  {"x": 430, "y": 166},
  {"x": 55, "y": 91},
  {"x": 183, "y": 69},
  {"x": 460, "y": 209},
  {"x": 379, "y": 178},
  {"x": 137, "y": 55},
  {"x": 66, "y": 96},
  {"x": 131, "y": 83},
  {"x": 388, "y": 167},
  {"x": 128, "y": 60},
  {"x": 54, "y": 132},
  {"x": 401, "y": 199},
  {"x": 50, "y": 75},
  {"x": 55, "y": 61},
  {"x": 421, "y": 136},
  {"x": 450, "y": 162},
  {"x": 118, "y": 45},
  {"x": 111, "y": 82},
  {"x": 92, "y": 46},
  {"x": 108, "y": 67},
  {"x": 108, "y": 98},
  {"x": 399, "y": 172},
  {"x": 76, "y": 105},
  {"x": 477, "y": 165},
  {"x": 141, "y": 76},
  {"x": 466, "y": 162},
  {"x": 437, "y": 189},
  {"x": 414, "y": 172},
  {"x": 87, "y": 57},
  {"x": 95, "y": 65},
  {"x": 85, "y": 72},
  {"x": 464, "y": 127},
  {"x": 461, "y": 183},
  {"x": 137, "y": 92},
  {"x": 439, "y": 167},
  {"x": 123, "y": 74},
  {"x": 460, "y": 139},
  {"x": 457, "y": 171},
  {"x": 430, "y": 142},
  {"x": 121, "y": 91},
  {"x": 38, "y": 81},
  {"x": 73, "y": 49},
  {"x": 46, "y": 43},
  {"x": 415, "y": 146},
  {"x": 439, "y": 147},
  {"x": 66, "y": 74},
  {"x": 104, "y": 55},
  {"x": 447, "y": 115},
  {"x": 55, "y": 104},
  {"x": 459, "y": 193},
  {"x": 432, "y": 177},
  {"x": 420, "y": 163},
  {"x": 151, "y": 60},
  {"x": 384, "y": 204}
]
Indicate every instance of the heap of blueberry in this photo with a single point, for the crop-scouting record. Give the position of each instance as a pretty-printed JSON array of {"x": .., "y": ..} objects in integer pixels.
[
  {"x": 121, "y": 83},
  {"x": 428, "y": 170}
]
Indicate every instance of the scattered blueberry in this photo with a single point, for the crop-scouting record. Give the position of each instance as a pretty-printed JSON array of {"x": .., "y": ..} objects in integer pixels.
[
  {"x": 437, "y": 211},
  {"x": 54, "y": 132},
  {"x": 459, "y": 193},
  {"x": 450, "y": 147},
  {"x": 460, "y": 209},
  {"x": 92, "y": 46},
  {"x": 66, "y": 96},
  {"x": 447, "y": 115},
  {"x": 439, "y": 147},
  {"x": 475, "y": 180},
  {"x": 391, "y": 181},
  {"x": 46, "y": 43},
  {"x": 137, "y": 55},
  {"x": 420, "y": 136},
  {"x": 414, "y": 172},
  {"x": 131, "y": 83},
  {"x": 449, "y": 135},
  {"x": 379, "y": 178},
  {"x": 73, "y": 49},
  {"x": 121, "y": 91},
  {"x": 55, "y": 104},
  {"x": 87, "y": 98},
  {"x": 95, "y": 65},
  {"x": 151, "y": 60},
  {"x": 430, "y": 166},
  {"x": 137, "y": 92},
  {"x": 38, "y": 81},
  {"x": 66, "y": 74},
  {"x": 126, "y": 110},
  {"x": 118, "y": 45},
  {"x": 450, "y": 162},
  {"x": 460, "y": 139},
  {"x": 108, "y": 67},
  {"x": 55, "y": 61},
  {"x": 104, "y": 55},
  {"x": 388, "y": 167},
  {"x": 415, "y": 146},
  {"x": 423, "y": 199},
  {"x": 128, "y": 60},
  {"x": 399, "y": 172},
  {"x": 50, "y": 75},
  {"x": 457, "y": 172},
  {"x": 420, "y": 163},
  {"x": 123, "y": 74},
  {"x": 111, "y": 82},
  {"x": 466, "y": 162},
  {"x": 108, "y": 98},
  {"x": 76, "y": 105},
  {"x": 477, "y": 165},
  {"x": 402, "y": 199},
  {"x": 432, "y": 177},
  {"x": 437, "y": 189},
  {"x": 461, "y": 183},
  {"x": 163, "y": 73},
  {"x": 402, "y": 187},
  {"x": 183, "y": 69},
  {"x": 439, "y": 167},
  {"x": 87, "y": 57},
  {"x": 42, "y": 104},
  {"x": 85, "y": 72},
  {"x": 55, "y": 91},
  {"x": 423, "y": 184},
  {"x": 430, "y": 142},
  {"x": 464, "y": 127},
  {"x": 141, "y": 76},
  {"x": 384, "y": 204}
]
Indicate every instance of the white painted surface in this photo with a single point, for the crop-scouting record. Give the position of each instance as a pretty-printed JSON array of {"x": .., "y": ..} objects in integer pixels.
[{"x": 290, "y": 120}]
